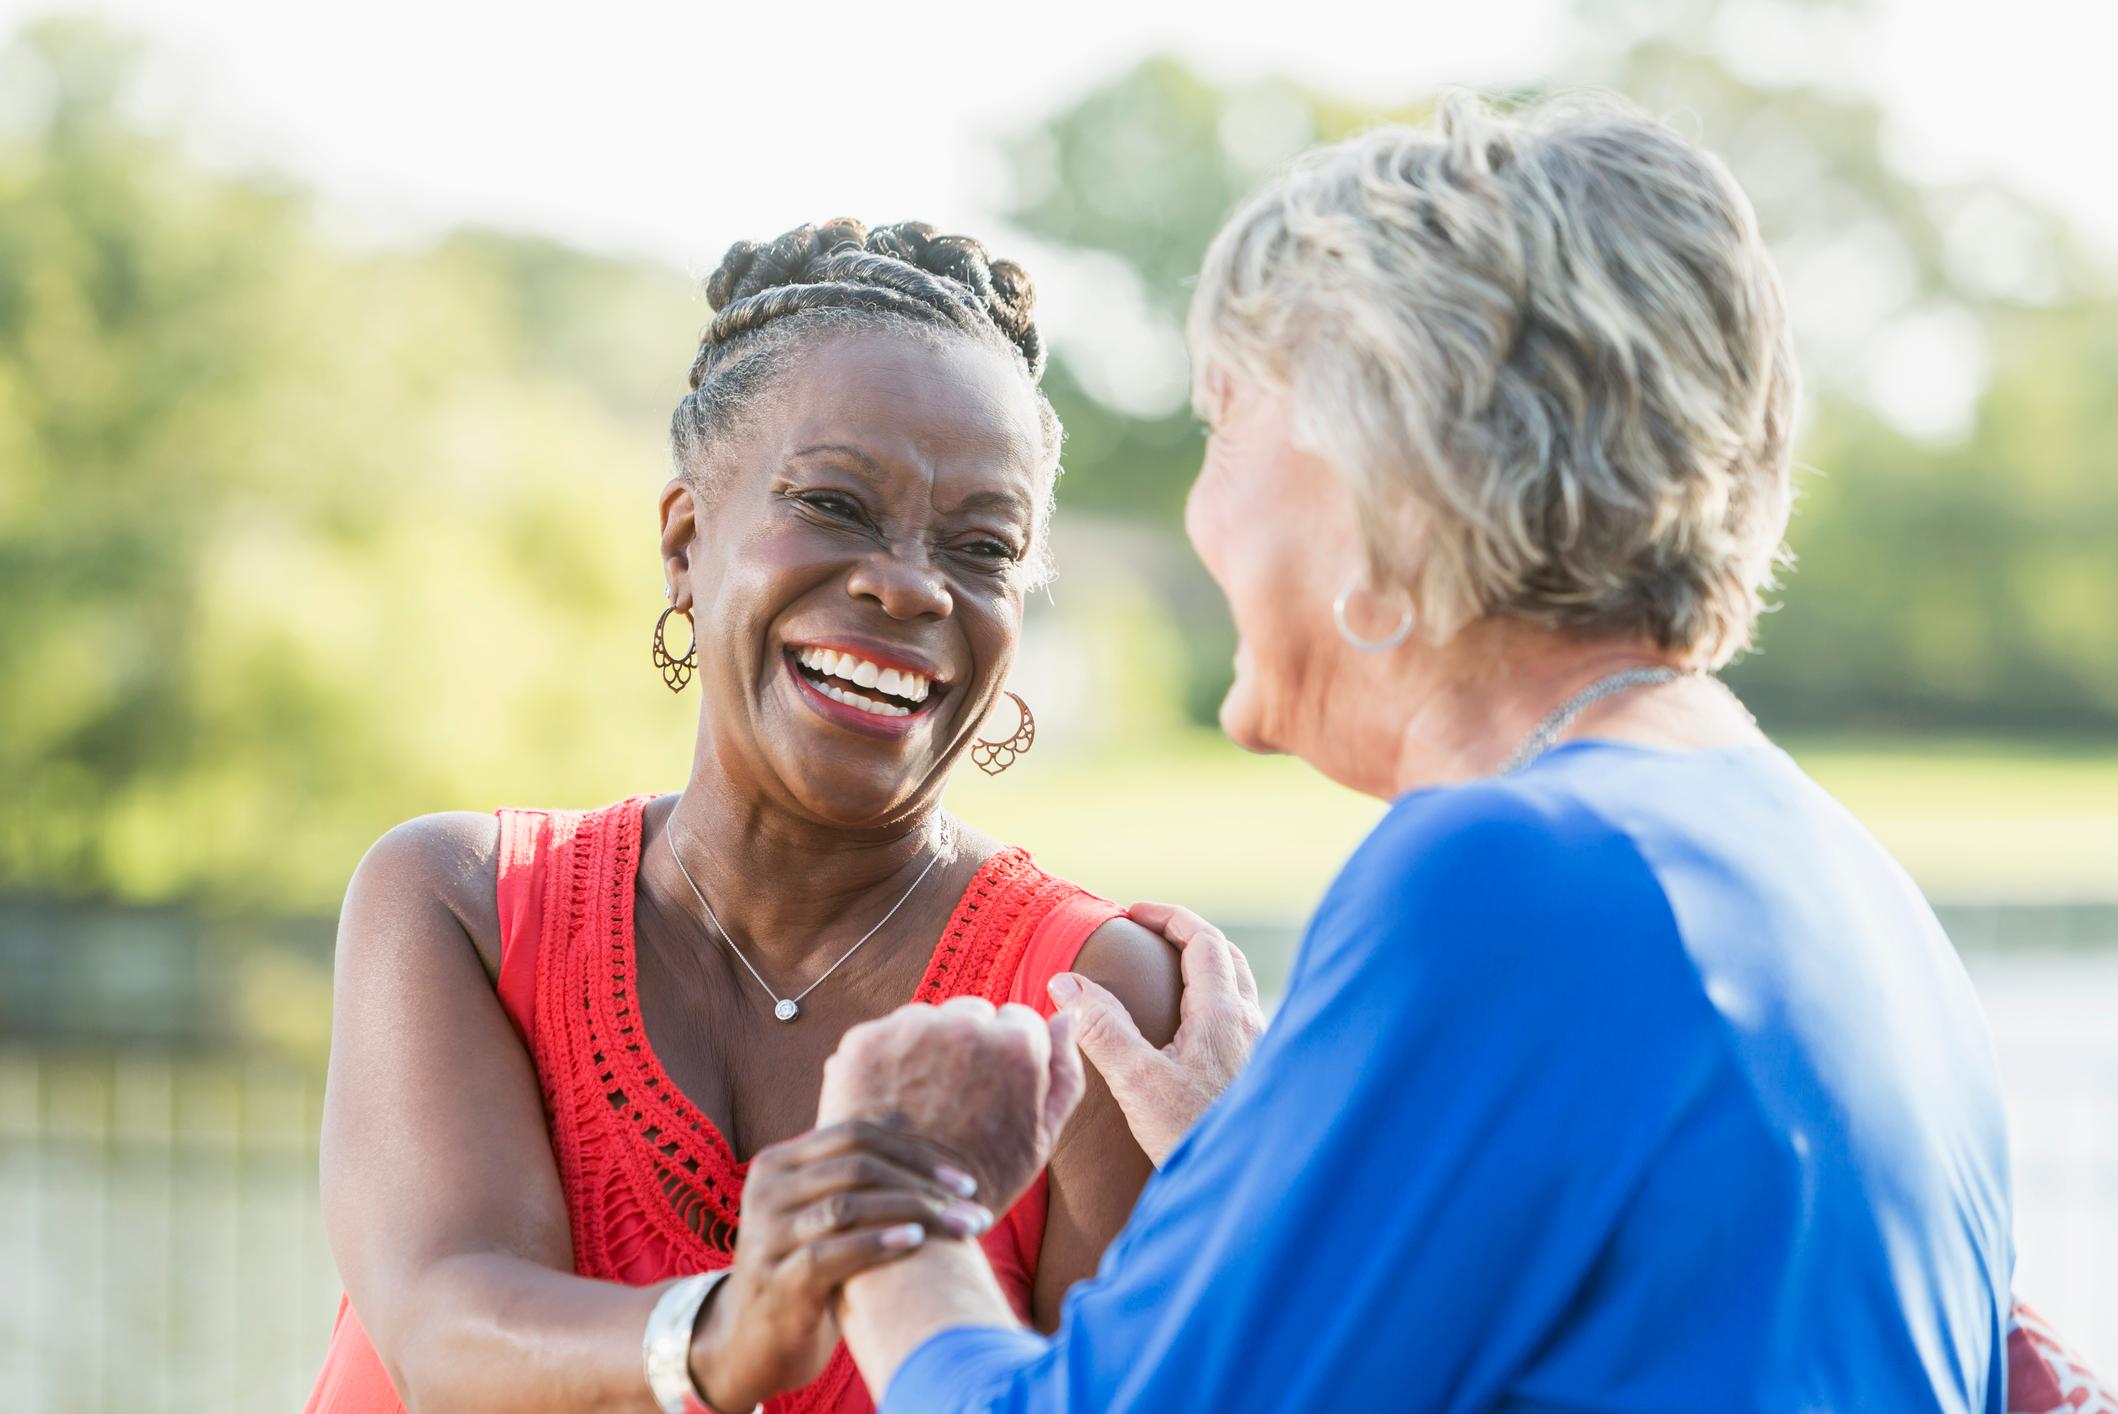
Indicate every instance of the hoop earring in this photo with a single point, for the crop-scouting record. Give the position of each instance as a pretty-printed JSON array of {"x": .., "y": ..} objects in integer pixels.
[
  {"x": 675, "y": 671},
  {"x": 993, "y": 757},
  {"x": 1370, "y": 645}
]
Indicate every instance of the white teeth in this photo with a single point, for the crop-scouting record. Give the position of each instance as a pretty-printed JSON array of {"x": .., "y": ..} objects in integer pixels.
[
  {"x": 897, "y": 682},
  {"x": 865, "y": 704}
]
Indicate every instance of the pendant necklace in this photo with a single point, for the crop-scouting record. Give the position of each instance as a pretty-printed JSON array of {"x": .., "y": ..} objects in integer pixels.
[
  {"x": 788, "y": 1008},
  {"x": 1540, "y": 741}
]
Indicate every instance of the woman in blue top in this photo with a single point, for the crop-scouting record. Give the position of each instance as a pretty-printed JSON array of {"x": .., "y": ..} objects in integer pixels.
[{"x": 1620, "y": 1069}]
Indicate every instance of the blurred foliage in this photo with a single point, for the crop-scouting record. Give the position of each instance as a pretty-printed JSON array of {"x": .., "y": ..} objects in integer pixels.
[
  {"x": 298, "y": 538},
  {"x": 1958, "y": 562}
]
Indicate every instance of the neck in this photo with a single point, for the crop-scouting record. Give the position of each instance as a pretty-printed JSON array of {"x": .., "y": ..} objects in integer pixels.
[
  {"x": 1476, "y": 700},
  {"x": 790, "y": 890}
]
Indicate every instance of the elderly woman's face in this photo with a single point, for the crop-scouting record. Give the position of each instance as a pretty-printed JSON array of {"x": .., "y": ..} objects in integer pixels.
[
  {"x": 857, "y": 567},
  {"x": 1274, "y": 526}
]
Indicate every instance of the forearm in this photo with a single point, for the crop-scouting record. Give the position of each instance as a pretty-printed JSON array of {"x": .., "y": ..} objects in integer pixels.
[
  {"x": 486, "y": 1331},
  {"x": 889, "y": 1312}
]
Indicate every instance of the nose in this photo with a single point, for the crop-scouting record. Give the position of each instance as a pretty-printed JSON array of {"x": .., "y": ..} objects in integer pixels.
[{"x": 904, "y": 587}]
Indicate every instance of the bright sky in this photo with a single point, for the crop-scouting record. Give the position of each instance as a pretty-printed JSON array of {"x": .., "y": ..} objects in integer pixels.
[{"x": 671, "y": 129}]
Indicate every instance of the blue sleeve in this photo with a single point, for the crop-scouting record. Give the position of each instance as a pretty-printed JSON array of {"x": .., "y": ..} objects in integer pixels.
[{"x": 1486, "y": 1040}]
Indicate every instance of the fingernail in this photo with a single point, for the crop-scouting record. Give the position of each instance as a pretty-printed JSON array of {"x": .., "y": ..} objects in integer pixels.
[
  {"x": 904, "y": 1235},
  {"x": 966, "y": 1219},
  {"x": 957, "y": 1181},
  {"x": 1064, "y": 988}
]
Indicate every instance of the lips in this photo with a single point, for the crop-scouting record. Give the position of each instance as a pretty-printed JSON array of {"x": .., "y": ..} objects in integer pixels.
[
  {"x": 863, "y": 682},
  {"x": 859, "y": 688}
]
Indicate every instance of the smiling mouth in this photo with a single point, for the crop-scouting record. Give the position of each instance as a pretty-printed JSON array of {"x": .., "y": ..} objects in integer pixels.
[{"x": 863, "y": 685}]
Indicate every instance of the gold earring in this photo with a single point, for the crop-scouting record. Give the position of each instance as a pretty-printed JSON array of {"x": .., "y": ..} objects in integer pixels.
[
  {"x": 993, "y": 757},
  {"x": 675, "y": 671}
]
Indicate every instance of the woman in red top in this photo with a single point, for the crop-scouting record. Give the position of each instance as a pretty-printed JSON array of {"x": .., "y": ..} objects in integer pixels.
[{"x": 575, "y": 1054}]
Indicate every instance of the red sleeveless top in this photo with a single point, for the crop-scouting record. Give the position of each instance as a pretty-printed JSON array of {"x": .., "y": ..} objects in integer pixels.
[{"x": 652, "y": 1189}]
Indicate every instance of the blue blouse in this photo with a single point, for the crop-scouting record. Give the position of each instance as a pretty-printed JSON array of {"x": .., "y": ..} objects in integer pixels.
[{"x": 1639, "y": 1080}]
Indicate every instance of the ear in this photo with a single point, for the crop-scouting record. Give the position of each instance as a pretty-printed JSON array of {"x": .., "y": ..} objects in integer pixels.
[{"x": 680, "y": 529}]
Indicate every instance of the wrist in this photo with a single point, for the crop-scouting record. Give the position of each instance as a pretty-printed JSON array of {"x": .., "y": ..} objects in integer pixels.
[
  {"x": 707, "y": 1365},
  {"x": 890, "y": 1311},
  {"x": 672, "y": 1335}
]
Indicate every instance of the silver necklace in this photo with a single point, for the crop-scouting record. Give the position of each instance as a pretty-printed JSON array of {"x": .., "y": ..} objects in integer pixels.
[
  {"x": 788, "y": 1008},
  {"x": 1540, "y": 741}
]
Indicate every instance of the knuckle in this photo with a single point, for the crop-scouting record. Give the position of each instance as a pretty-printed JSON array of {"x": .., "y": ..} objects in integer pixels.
[
  {"x": 1102, "y": 1031},
  {"x": 870, "y": 1172}
]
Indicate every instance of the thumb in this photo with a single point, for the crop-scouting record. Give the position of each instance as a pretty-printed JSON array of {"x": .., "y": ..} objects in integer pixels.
[{"x": 1108, "y": 1036}]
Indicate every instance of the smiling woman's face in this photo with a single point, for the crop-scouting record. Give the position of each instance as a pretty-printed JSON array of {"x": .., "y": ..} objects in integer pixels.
[
  {"x": 1275, "y": 527},
  {"x": 855, "y": 565}
]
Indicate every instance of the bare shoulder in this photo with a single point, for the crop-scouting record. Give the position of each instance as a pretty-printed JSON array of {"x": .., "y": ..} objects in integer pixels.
[
  {"x": 447, "y": 862},
  {"x": 1138, "y": 967}
]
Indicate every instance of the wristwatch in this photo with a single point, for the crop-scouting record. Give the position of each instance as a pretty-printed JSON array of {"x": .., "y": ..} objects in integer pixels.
[{"x": 665, "y": 1349}]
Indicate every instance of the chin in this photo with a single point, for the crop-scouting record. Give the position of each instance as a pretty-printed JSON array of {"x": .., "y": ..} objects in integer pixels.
[
  {"x": 853, "y": 799},
  {"x": 1243, "y": 723}
]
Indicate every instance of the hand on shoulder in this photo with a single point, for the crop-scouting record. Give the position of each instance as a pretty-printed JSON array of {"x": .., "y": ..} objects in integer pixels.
[{"x": 1165, "y": 1064}]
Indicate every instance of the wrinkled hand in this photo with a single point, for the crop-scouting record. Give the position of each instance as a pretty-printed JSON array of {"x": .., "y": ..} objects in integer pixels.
[
  {"x": 1163, "y": 1092},
  {"x": 817, "y": 1210},
  {"x": 990, "y": 1088}
]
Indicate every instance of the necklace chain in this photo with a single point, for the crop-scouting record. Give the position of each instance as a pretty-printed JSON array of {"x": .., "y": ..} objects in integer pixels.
[
  {"x": 1547, "y": 731},
  {"x": 787, "y": 1008}
]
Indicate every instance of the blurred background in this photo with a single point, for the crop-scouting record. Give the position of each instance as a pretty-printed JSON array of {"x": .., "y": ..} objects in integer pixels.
[{"x": 335, "y": 356}]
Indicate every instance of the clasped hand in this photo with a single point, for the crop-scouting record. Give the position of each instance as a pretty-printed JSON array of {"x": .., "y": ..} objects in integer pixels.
[
  {"x": 932, "y": 1106},
  {"x": 817, "y": 1210}
]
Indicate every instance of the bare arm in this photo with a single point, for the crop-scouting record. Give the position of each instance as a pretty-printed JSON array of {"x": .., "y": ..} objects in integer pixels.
[
  {"x": 440, "y": 1193},
  {"x": 1099, "y": 1169},
  {"x": 442, "y": 1198}
]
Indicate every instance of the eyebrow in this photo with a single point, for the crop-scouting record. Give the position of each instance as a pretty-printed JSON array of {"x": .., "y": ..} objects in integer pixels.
[
  {"x": 996, "y": 500},
  {"x": 976, "y": 501},
  {"x": 867, "y": 461}
]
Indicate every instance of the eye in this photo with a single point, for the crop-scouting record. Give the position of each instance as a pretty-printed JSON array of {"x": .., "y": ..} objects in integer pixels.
[
  {"x": 834, "y": 505},
  {"x": 990, "y": 551}
]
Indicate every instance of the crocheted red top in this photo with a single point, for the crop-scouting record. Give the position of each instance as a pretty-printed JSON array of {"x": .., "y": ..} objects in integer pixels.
[{"x": 652, "y": 1189}]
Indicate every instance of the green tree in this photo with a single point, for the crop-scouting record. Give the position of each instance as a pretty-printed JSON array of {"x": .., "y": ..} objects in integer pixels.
[
  {"x": 1949, "y": 576},
  {"x": 295, "y": 540}
]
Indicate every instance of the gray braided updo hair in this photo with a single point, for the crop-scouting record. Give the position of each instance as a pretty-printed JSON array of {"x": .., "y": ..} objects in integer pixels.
[{"x": 907, "y": 279}]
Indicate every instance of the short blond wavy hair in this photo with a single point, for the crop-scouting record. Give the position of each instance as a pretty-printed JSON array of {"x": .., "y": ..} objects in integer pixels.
[{"x": 1549, "y": 354}]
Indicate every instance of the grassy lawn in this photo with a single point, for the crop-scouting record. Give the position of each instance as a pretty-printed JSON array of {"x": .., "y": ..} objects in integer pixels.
[
  {"x": 1257, "y": 838},
  {"x": 1976, "y": 820}
]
